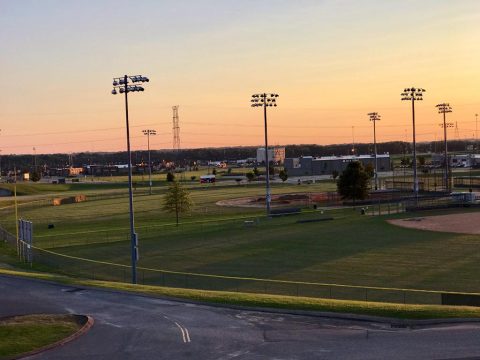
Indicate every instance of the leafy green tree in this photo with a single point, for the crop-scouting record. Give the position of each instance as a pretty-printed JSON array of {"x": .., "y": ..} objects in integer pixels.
[
  {"x": 256, "y": 172},
  {"x": 283, "y": 175},
  {"x": 170, "y": 177},
  {"x": 421, "y": 160},
  {"x": 370, "y": 170},
  {"x": 271, "y": 170},
  {"x": 405, "y": 161},
  {"x": 353, "y": 182},
  {"x": 35, "y": 176},
  {"x": 177, "y": 200}
]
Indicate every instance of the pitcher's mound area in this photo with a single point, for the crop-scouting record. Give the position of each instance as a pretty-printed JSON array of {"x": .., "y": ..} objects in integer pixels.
[{"x": 466, "y": 223}]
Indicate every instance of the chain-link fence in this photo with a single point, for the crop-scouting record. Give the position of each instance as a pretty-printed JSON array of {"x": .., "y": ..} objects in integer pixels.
[
  {"x": 98, "y": 270},
  {"x": 101, "y": 270}
]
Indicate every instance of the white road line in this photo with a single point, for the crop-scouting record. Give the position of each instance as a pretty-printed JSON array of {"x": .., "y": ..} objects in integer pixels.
[{"x": 185, "y": 334}]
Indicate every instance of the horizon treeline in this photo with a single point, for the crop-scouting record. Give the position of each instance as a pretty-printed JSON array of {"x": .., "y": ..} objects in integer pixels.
[{"x": 189, "y": 156}]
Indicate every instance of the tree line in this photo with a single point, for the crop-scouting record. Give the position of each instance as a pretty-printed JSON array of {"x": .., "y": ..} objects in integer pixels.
[{"x": 189, "y": 156}]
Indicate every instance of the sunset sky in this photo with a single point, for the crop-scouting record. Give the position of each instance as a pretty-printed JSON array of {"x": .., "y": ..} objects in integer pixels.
[{"x": 331, "y": 62}]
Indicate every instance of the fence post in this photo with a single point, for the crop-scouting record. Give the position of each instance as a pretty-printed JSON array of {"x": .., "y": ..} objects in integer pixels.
[{"x": 366, "y": 294}]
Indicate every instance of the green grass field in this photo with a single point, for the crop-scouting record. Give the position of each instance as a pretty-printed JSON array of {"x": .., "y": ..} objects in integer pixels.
[
  {"x": 350, "y": 249},
  {"x": 26, "y": 333}
]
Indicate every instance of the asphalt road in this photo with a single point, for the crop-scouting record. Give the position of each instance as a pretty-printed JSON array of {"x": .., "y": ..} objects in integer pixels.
[{"x": 137, "y": 327}]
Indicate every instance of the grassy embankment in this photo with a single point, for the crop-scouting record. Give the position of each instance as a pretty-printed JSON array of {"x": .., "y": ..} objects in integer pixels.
[{"x": 399, "y": 311}]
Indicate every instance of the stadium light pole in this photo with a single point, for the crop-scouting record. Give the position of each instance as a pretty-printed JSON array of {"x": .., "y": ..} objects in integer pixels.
[
  {"x": 126, "y": 84},
  {"x": 476, "y": 133},
  {"x": 0, "y": 159},
  {"x": 374, "y": 117},
  {"x": 445, "y": 108},
  {"x": 265, "y": 100},
  {"x": 149, "y": 132},
  {"x": 414, "y": 94}
]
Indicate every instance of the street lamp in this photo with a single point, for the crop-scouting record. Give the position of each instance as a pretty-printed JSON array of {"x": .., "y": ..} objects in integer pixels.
[
  {"x": 149, "y": 132},
  {"x": 374, "y": 117},
  {"x": 414, "y": 94},
  {"x": 265, "y": 100},
  {"x": 476, "y": 133},
  {"x": 445, "y": 108},
  {"x": 34, "y": 158},
  {"x": 0, "y": 160},
  {"x": 126, "y": 84}
]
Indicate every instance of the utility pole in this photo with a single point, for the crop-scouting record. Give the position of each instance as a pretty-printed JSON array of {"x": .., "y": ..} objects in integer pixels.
[
  {"x": 445, "y": 108},
  {"x": 34, "y": 159},
  {"x": 374, "y": 117},
  {"x": 265, "y": 100},
  {"x": 353, "y": 140},
  {"x": 476, "y": 133}
]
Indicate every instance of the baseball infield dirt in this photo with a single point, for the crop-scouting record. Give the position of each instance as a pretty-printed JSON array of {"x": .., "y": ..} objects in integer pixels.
[{"x": 465, "y": 223}]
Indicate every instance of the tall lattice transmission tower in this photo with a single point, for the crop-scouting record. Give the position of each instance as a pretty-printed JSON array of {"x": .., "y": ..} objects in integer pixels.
[{"x": 176, "y": 129}]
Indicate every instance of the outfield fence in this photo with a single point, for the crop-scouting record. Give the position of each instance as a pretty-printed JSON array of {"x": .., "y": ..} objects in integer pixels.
[{"x": 108, "y": 271}]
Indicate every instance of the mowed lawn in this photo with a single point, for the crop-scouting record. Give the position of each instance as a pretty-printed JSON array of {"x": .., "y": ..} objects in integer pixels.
[{"x": 350, "y": 249}]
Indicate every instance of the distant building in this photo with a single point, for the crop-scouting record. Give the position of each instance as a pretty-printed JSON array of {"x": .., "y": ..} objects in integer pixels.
[
  {"x": 65, "y": 171},
  {"x": 457, "y": 160},
  {"x": 326, "y": 165},
  {"x": 107, "y": 170},
  {"x": 276, "y": 154}
]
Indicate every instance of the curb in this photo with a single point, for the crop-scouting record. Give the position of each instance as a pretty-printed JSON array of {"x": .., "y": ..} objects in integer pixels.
[
  {"x": 394, "y": 322},
  {"x": 84, "y": 329}
]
